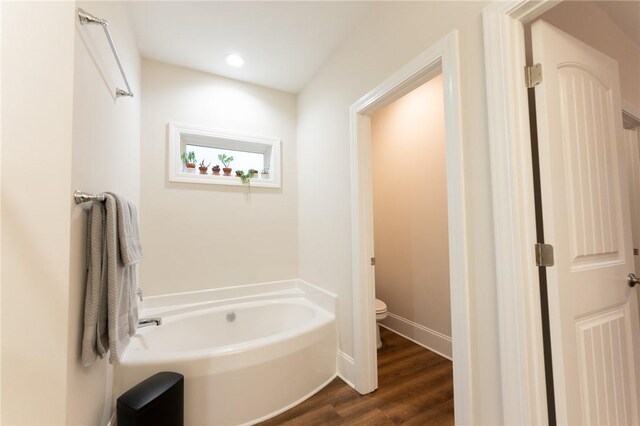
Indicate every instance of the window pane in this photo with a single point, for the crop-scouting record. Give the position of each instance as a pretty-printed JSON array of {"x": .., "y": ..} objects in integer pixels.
[{"x": 241, "y": 160}]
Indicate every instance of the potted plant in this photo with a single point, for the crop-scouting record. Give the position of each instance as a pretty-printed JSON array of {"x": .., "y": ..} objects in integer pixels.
[
  {"x": 253, "y": 173},
  {"x": 203, "y": 168},
  {"x": 226, "y": 160},
  {"x": 265, "y": 172},
  {"x": 215, "y": 170},
  {"x": 244, "y": 177},
  {"x": 189, "y": 160}
]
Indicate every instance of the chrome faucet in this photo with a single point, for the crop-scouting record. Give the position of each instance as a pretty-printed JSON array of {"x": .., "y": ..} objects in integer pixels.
[
  {"x": 146, "y": 322},
  {"x": 139, "y": 294}
]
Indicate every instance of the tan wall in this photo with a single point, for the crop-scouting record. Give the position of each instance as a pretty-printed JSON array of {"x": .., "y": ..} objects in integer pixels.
[
  {"x": 387, "y": 39},
  {"x": 207, "y": 236},
  {"x": 587, "y": 22},
  {"x": 105, "y": 157},
  {"x": 410, "y": 207},
  {"x": 37, "y": 110}
]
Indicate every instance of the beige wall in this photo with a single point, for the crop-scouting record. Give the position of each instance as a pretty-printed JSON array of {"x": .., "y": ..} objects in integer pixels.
[
  {"x": 37, "y": 112},
  {"x": 63, "y": 130},
  {"x": 587, "y": 22},
  {"x": 207, "y": 236},
  {"x": 410, "y": 208},
  {"x": 1, "y": 214},
  {"x": 105, "y": 157},
  {"x": 387, "y": 39}
]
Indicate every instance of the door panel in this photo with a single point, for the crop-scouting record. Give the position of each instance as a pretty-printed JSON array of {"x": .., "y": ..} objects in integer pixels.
[
  {"x": 585, "y": 204},
  {"x": 602, "y": 347},
  {"x": 588, "y": 139},
  {"x": 632, "y": 149}
]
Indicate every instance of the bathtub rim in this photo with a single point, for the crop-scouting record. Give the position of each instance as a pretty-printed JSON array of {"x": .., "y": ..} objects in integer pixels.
[
  {"x": 320, "y": 296},
  {"x": 141, "y": 356}
]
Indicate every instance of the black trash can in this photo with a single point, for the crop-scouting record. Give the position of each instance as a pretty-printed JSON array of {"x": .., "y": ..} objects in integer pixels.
[{"x": 157, "y": 401}]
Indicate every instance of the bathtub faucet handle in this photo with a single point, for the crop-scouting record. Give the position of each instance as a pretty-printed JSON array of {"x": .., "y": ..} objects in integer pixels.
[{"x": 145, "y": 322}]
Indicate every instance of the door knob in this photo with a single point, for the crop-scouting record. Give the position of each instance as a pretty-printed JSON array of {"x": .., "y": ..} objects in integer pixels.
[{"x": 632, "y": 280}]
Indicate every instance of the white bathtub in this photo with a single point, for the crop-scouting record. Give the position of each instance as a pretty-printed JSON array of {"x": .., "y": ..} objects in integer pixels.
[{"x": 279, "y": 350}]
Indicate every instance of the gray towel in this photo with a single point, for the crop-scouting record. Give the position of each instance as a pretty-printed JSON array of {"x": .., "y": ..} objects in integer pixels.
[
  {"x": 111, "y": 311},
  {"x": 128, "y": 232}
]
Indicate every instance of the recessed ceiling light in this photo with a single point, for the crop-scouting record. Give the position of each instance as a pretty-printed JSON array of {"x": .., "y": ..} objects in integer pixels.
[{"x": 234, "y": 60}]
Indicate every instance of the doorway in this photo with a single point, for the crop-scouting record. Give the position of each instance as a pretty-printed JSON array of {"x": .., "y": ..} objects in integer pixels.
[
  {"x": 410, "y": 221},
  {"x": 442, "y": 58}
]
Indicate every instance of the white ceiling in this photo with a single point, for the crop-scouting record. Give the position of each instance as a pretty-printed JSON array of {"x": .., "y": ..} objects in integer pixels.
[
  {"x": 283, "y": 43},
  {"x": 626, "y": 14}
]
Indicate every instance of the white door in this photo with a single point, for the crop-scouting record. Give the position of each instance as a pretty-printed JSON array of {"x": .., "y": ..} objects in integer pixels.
[
  {"x": 632, "y": 152},
  {"x": 593, "y": 318}
]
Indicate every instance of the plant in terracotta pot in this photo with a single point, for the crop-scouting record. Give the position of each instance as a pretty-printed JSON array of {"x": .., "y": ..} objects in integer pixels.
[
  {"x": 253, "y": 173},
  {"x": 203, "y": 168},
  {"x": 189, "y": 159},
  {"x": 265, "y": 172},
  {"x": 215, "y": 170},
  {"x": 226, "y": 160}
]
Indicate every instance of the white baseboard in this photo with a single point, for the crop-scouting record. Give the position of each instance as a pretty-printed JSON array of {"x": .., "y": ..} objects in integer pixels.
[
  {"x": 346, "y": 368},
  {"x": 423, "y": 336}
]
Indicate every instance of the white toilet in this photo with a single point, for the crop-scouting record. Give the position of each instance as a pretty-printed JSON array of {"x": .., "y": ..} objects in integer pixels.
[{"x": 381, "y": 313}]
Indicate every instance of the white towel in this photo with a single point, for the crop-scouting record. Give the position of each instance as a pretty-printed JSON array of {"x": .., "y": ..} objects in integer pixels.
[{"x": 111, "y": 311}]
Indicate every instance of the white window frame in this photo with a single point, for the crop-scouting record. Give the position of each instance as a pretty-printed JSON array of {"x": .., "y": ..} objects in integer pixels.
[{"x": 181, "y": 134}]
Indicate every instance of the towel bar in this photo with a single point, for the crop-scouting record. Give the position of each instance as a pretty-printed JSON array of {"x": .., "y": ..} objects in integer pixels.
[
  {"x": 82, "y": 197},
  {"x": 87, "y": 18}
]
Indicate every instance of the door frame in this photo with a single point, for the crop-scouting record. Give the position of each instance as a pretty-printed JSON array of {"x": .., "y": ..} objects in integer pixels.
[
  {"x": 524, "y": 398},
  {"x": 443, "y": 58}
]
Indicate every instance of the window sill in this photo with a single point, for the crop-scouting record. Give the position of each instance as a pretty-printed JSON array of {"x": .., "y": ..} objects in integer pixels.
[{"x": 209, "y": 179}]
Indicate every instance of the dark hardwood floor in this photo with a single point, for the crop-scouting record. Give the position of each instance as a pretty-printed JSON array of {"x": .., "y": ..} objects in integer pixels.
[{"x": 415, "y": 387}]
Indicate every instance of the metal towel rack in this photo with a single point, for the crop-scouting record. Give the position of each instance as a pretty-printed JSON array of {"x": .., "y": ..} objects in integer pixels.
[
  {"x": 87, "y": 18},
  {"x": 82, "y": 197}
]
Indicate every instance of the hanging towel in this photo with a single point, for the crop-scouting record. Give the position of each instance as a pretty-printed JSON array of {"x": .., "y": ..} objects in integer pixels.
[
  {"x": 128, "y": 233},
  {"x": 111, "y": 311}
]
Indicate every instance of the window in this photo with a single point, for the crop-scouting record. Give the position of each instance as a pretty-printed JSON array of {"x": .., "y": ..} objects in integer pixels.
[{"x": 248, "y": 152}]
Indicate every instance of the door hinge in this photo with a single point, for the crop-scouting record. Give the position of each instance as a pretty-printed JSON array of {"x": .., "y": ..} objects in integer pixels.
[
  {"x": 373, "y": 261},
  {"x": 532, "y": 75},
  {"x": 544, "y": 254}
]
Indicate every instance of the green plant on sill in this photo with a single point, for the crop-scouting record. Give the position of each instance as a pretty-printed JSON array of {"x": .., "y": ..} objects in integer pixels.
[
  {"x": 188, "y": 157},
  {"x": 225, "y": 159},
  {"x": 203, "y": 165},
  {"x": 244, "y": 177}
]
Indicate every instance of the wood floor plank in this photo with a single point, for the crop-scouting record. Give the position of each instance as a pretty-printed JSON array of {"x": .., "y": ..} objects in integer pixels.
[{"x": 415, "y": 387}]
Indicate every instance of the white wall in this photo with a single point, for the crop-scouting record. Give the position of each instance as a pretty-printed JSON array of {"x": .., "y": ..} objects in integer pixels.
[
  {"x": 208, "y": 236},
  {"x": 589, "y": 23},
  {"x": 37, "y": 112},
  {"x": 411, "y": 235},
  {"x": 105, "y": 157},
  {"x": 392, "y": 35}
]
